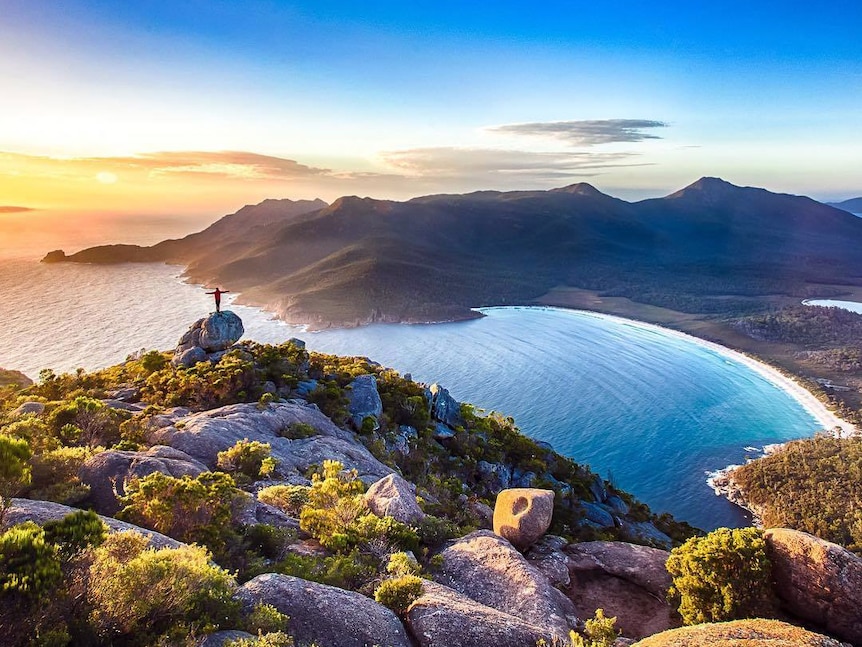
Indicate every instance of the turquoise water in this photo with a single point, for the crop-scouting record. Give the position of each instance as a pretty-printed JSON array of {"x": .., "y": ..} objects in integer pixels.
[
  {"x": 653, "y": 411},
  {"x": 852, "y": 306}
]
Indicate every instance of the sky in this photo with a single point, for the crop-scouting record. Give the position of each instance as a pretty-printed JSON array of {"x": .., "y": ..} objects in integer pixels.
[{"x": 152, "y": 118}]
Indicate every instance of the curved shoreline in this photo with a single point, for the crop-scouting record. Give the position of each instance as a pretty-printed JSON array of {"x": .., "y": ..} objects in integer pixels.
[{"x": 807, "y": 400}]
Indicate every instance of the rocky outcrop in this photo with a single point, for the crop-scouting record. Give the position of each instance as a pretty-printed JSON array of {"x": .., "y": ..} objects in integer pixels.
[
  {"x": 392, "y": 496},
  {"x": 490, "y": 571},
  {"x": 326, "y": 615},
  {"x": 626, "y": 580},
  {"x": 364, "y": 401},
  {"x": 750, "y": 633},
  {"x": 208, "y": 336},
  {"x": 523, "y": 515},
  {"x": 645, "y": 531},
  {"x": 204, "y": 435},
  {"x": 107, "y": 472},
  {"x": 29, "y": 409},
  {"x": 817, "y": 581},
  {"x": 442, "y": 617},
  {"x": 444, "y": 408},
  {"x": 40, "y": 512}
]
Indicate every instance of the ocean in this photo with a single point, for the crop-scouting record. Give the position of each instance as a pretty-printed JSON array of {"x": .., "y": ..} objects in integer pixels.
[{"x": 652, "y": 411}]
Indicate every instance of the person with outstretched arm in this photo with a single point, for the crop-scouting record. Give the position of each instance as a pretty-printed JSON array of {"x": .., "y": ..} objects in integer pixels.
[{"x": 217, "y": 294}]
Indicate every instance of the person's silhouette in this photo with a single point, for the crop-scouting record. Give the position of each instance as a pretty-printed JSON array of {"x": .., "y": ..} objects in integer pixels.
[{"x": 217, "y": 294}]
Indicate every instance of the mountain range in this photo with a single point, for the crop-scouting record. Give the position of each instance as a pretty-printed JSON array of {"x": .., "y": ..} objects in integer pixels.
[
  {"x": 853, "y": 205},
  {"x": 711, "y": 247}
]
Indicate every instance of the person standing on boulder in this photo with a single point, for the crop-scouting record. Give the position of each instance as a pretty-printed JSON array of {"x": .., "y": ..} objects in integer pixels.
[{"x": 217, "y": 294}]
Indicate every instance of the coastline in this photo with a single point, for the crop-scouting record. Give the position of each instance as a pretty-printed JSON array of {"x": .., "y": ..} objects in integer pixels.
[{"x": 790, "y": 385}]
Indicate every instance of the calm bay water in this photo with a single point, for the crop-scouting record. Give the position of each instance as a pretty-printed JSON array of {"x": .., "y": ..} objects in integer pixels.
[{"x": 653, "y": 411}]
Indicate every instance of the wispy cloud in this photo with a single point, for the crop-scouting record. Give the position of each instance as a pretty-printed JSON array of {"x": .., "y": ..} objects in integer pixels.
[
  {"x": 585, "y": 132},
  {"x": 454, "y": 162},
  {"x": 13, "y": 209}
]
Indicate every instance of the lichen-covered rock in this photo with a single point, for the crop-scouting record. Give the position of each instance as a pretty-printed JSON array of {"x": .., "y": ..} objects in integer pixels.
[
  {"x": 444, "y": 408},
  {"x": 746, "y": 633},
  {"x": 364, "y": 401},
  {"x": 189, "y": 357},
  {"x": 490, "y": 571},
  {"x": 29, "y": 409},
  {"x": 392, "y": 496},
  {"x": 203, "y": 435},
  {"x": 547, "y": 555},
  {"x": 625, "y": 580},
  {"x": 645, "y": 531},
  {"x": 40, "y": 512},
  {"x": 326, "y": 615},
  {"x": 220, "y": 331},
  {"x": 817, "y": 581},
  {"x": 442, "y": 617},
  {"x": 107, "y": 472},
  {"x": 523, "y": 515}
]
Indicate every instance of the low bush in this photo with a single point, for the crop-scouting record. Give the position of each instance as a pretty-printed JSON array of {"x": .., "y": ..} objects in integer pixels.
[
  {"x": 290, "y": 499},
  {"x": 399, "y": 593},
  {"x": 146, "y": 594},
  {"x": 725, "y": 575},
  {"x": 247, "y": 459},
  {"x": 29, "y": 564}
]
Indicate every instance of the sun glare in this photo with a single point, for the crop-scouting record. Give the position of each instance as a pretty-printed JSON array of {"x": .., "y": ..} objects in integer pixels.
[{"x": 106, "y": 178}]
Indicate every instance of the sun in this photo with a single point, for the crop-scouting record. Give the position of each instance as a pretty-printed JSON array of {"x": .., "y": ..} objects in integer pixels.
[{"x": 106, "y": 178}]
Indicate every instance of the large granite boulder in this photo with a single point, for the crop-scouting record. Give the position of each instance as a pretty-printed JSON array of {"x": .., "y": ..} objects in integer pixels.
[
  {"x": 444, "y": 408},
  {"x": 523, "y": 515},
  {"x": 392, "y": 496},
  {"x": 326, "y": 615},
  {"x": 40, "y": 512},
  {"x": 442, "y": 617},
  {"x": 364, "y": 401},
  {"x": 746, "y": 633},
  {"x": 817, "y": 581},
  {"x": 626, "y": 580},
  {"x": 210, "y": 335},
  {"x": 203, "y": 435},
  {"x": 107, "y": 472},
  {"x": 490, "y": 571}
]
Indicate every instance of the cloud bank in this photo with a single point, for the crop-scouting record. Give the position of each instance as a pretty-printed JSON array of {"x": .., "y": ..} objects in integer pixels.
[
  {"x": 585, "y": 132},
  {"x": 13, "y": 209}
]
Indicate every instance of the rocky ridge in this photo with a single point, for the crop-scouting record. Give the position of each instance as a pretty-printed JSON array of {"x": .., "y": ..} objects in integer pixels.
[{"x": 513, "y": 586}]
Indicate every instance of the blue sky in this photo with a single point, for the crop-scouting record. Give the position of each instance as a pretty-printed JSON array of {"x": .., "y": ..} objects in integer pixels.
[{"x": 395, "y": 99}]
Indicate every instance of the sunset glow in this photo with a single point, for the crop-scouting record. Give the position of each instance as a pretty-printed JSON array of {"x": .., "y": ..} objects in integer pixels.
[{"x": 191, "y": 110}]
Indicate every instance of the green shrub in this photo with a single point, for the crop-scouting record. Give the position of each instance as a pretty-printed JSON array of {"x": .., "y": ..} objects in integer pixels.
[
  {"x": 334, "y": 503},
  {"x": 15, "y": 471},
  {"x": 34, "y": 430},
  {"x": 402, "y": 564},
  {"x": 290, "y": 499},
  {"x": 247, "y": 458},
  {"x": 725, "y": 575},
  {"x": 76, "y": 532},
  {"x": 147, "y": 593},
  {"x": 86, "y": 421},
  {"x": 29, "y": 564},
  {"x": 189, "y": 509},
  {"x": 265, "y": 619},
  {"x": 298, "y": 430},
  {"x": 55, "y": 475},
  {"x": 276, "y": 639},
  {"x": 399, "y": 593},
  {"x": 351, "y": 571}
]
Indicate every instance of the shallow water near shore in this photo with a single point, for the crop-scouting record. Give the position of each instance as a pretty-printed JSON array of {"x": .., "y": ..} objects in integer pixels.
[{"x": 651, "y": 410}]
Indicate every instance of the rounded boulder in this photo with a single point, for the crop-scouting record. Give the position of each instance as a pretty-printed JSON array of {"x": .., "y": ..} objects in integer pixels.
[{"x": 523, "y": 515}]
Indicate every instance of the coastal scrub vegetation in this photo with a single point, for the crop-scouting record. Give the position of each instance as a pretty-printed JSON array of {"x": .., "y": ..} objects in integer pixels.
[
  {"x": 725, "y": 575},
  {"x": 813, "y": 485},
  {"x": 108, "y": 591}
]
